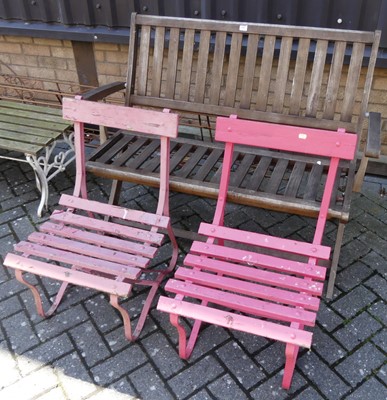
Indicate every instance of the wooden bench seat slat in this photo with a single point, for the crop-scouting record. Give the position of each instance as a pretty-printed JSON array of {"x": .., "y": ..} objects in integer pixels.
[
  {"x": 299, "y": 76},
  {"x": 334, "y": 80},
  {"x": 216, "y": 177},
  {"x": 89, "y": 250},
  {"x": 26, "y": 148},
  {"x": 249, "y": 273},
  {"x": 271, "y": 242},
  {"x": 282, "y": 74},
  {"x": 172, "y": 60},
  {"x": 127, "y": 151},
  {"x": 32, "y": 131},
  {"x": 61, "y": 230},
  {"x": 209, "y": 163},
  {"x": 21, "y": 113},
  {"x": 81, "y": 261},
  {"x": 44, "y": 125},
  {"x": 238, "y": 322},
  {"x": 179, "y": 155},
  {"x": 259, "y": 173},
  {"x": 253, "y": 289},
  {"x": 217, "y": 293},
  {"x": 295, "y": 179},
  {"x": 277, "y": 176},
  {"x": 313, "y": 183},
  {"x": 233, "y": 69},
  {"x": 146, "y": 152},
  {"x": 266, "y": 71},
  {"x": 186, "y": 65},
  {"x": 243, "y": 167},
  {"x": 32, "y": 107},
  {"x": 193, "y": 161},
  {"x": 25, "y": 137},
  {"x": 153, "y": 164},
  {"x": 72, "y": 276},
  {"x": 248, "y": 72}
]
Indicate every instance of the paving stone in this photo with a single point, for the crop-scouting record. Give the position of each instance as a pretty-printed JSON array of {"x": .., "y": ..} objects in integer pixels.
[
  {"x": 357, "y": 331},
  {"x": 118, "y": 365},
  {"x": 240, "y": 365},
  {"x": 10, "y": 306},
  {"x": 121, "y": 389},
  {"x": 250, "y": 343},
  {"x": 20, "y": 333},
  {"x": 326, "y": 347},
  {"x": 287, "y": 227},
  {"x": 11, "y": 215},
  {"x": 366, "y": 204},
  {"x": 225, "y": 388},
  {"x": 89, "y": 342},
  {"x": 328, "y": 318},
  {"x": 370, "y": 390},
  {"x": 74, "y": 377},
  {"x": 381, "y": 340},
  {"x": 54, "y": 394},
  {"x": 375, "y": 242},
  {"x": 162, "y": 354},
  {"x": 44, "y": 354},
  {"x": 382, "y": 374},
  {"x": 309, "y": 394},
  {"x": 379, "y": 311},
  {"x": 148, "y": 384},
  {"x": 330, "y": 384},
  {"x": 9, "y": 371},
  {"x": 195, "y": 377},
  {"x": 4, "y": 231},
  {"x": 272, "y": 388},
  {"x": 263, "y": 217},
  {"x": 350, "y": 304},
  {"x": 379, "y": 286},
  {"x": 204, "y": 208},
  {"x": 202, "y": 395},
  {"x": 235, "y": 219},
  {"x": 272, "y": 358},
  {"x": 60, "y": 322},
  {"x": 352, "y": 251},
  {"x": 376, "y": 262},
  {"x": 360, "y": 364},
  {"x": 352, "y": 276}
]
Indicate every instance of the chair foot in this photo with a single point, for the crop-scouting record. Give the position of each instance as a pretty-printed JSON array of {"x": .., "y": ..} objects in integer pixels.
[{"x": 291, "y": 353}]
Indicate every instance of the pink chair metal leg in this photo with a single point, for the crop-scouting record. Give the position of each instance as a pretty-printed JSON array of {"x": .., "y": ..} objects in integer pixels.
[
  {"x": 291, "y": 353},
  {"x": 125, "y": 316}
]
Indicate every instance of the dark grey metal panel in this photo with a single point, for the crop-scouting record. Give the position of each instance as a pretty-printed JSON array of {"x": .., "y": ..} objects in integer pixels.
[{"x": 341, "y": 14}]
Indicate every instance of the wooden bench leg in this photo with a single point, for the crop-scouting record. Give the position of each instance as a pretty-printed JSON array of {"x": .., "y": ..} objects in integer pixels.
[
  {"x": 335, "y": 260},
  {"x": 359, "y": 177}
]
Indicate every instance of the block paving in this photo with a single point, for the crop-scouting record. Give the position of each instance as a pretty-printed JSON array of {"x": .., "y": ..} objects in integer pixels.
[{"x": 81, "y": 352}]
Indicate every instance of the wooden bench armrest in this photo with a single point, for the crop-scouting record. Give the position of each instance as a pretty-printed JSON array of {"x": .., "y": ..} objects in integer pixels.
[
  {"x": 373, "y": 138},
  {"x": 103, "y": 91}
]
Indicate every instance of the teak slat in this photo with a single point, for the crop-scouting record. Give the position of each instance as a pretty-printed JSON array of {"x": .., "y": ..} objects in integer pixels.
[
  {"x": 128, "y": 151},
  {"x": 248, "y": 71},
  {"x": 193, "y": 161},
  {"x": 143, "y": 61},
  {"x": 259, "y": 173},
  {"x": 201, "y": 73},
  {"x": 186, "y": 65},
  {"x": 233, "y": 69},
  {"x": 295, "y": 179},
  {"x": 210, "y": 162},
  {"x": 157, "y": 66},
  {"x": 217, "y": 67},
  {"x": 173, "y": 53},
  {"x": 276, "y": 176},
  {"x": 243, "y": 168},
  {"x": 313, "y": 183}
]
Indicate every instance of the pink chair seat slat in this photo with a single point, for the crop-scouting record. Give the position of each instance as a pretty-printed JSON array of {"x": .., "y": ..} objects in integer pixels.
[
  {"x": 69, "y": 275},
  {"x": 257, "y": 259},
  {"x": 249, "y": 288},
  {"x": 79, "y": 260},
  {"x": 238, "y": 322},
  {"x": 61, "y": 230},
  {"x": 241, "y": 271},
  {"x": 128, "y": 232},
  {"x": 77, "y": 247},
  {"x": 114, "y": 211},
  {"x": 219, "y": 294},
  {"x": 265, "y": 241}
]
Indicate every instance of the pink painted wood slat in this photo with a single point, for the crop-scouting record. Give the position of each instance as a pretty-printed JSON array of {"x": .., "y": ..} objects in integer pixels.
[
  {"x": 266, "y": 241},
  {"x": 238, "y": 322},
  {"x": 80, "y": 261},
  {"x": 67, "y": 275},
  {"x": 252, "y": 258},
  {"x": 288, "y": 138},
  {"x": 98, "y": 239},
  {"x": 110, "y": 228},
  {"x": 141, "y": 217},
  {"x": 112, "y": 115},
  {"x": 217, "y": 295},
  {"x": 242, "y": 286}
]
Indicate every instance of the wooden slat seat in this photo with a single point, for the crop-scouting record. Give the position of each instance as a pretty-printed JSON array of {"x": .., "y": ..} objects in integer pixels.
[
  {"x": 252, "y": 282},
  {"x": 311, "y": 77},
  {"x": 101, "y": 246}
]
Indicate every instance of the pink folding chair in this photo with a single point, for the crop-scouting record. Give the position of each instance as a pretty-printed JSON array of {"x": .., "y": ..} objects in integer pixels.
[
  {"x": 252, "y": 282},
  {"x": 100, "y": 246}
]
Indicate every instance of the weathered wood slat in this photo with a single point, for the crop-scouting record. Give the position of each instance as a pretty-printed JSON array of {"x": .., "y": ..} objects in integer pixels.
[
  {"x": 277, "y": 176},
  {"x": 186, "y": 65},
  {"x": 233, "y": 68},
  {"x": 210, "y": 162},
  {"x": 238, "y": 176},
  {"x": 259, "y": 173},
  {"x": 157, "y": 66},
  {"x": 143, "y": 61},
  {"x": 248, "y": 72},
  {"x": 37, "y": 132},
  {"x": 193, "y": 161},
  {"x": 313, "y": 184},
  {"x": 173, "y": 53},
  {"x": 295, "y": 179},
  {"x": 25, "y": 137},
  {"x": 217, "y": 67},
  {"x": 27, "y": 148},
  {"x": 128, "y": 152},
  {"x": 201, "y": 73}
]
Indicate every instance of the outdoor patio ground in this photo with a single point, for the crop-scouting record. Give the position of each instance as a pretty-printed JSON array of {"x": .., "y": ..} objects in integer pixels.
[{"x": 81, "y": 352}]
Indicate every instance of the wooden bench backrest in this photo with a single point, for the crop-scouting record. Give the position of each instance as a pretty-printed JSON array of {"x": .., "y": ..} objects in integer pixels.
[{"x": 281, "y": 74}]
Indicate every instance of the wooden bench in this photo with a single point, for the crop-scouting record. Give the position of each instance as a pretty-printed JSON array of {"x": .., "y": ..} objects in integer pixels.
[
  {"x": 303, "y": 76},
  {"x": 34, "y": 131},
  {"x": 229, "y": 280}
]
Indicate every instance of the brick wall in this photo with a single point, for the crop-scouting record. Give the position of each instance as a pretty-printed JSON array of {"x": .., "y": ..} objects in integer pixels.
[{"x": 54, "y": 60}]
